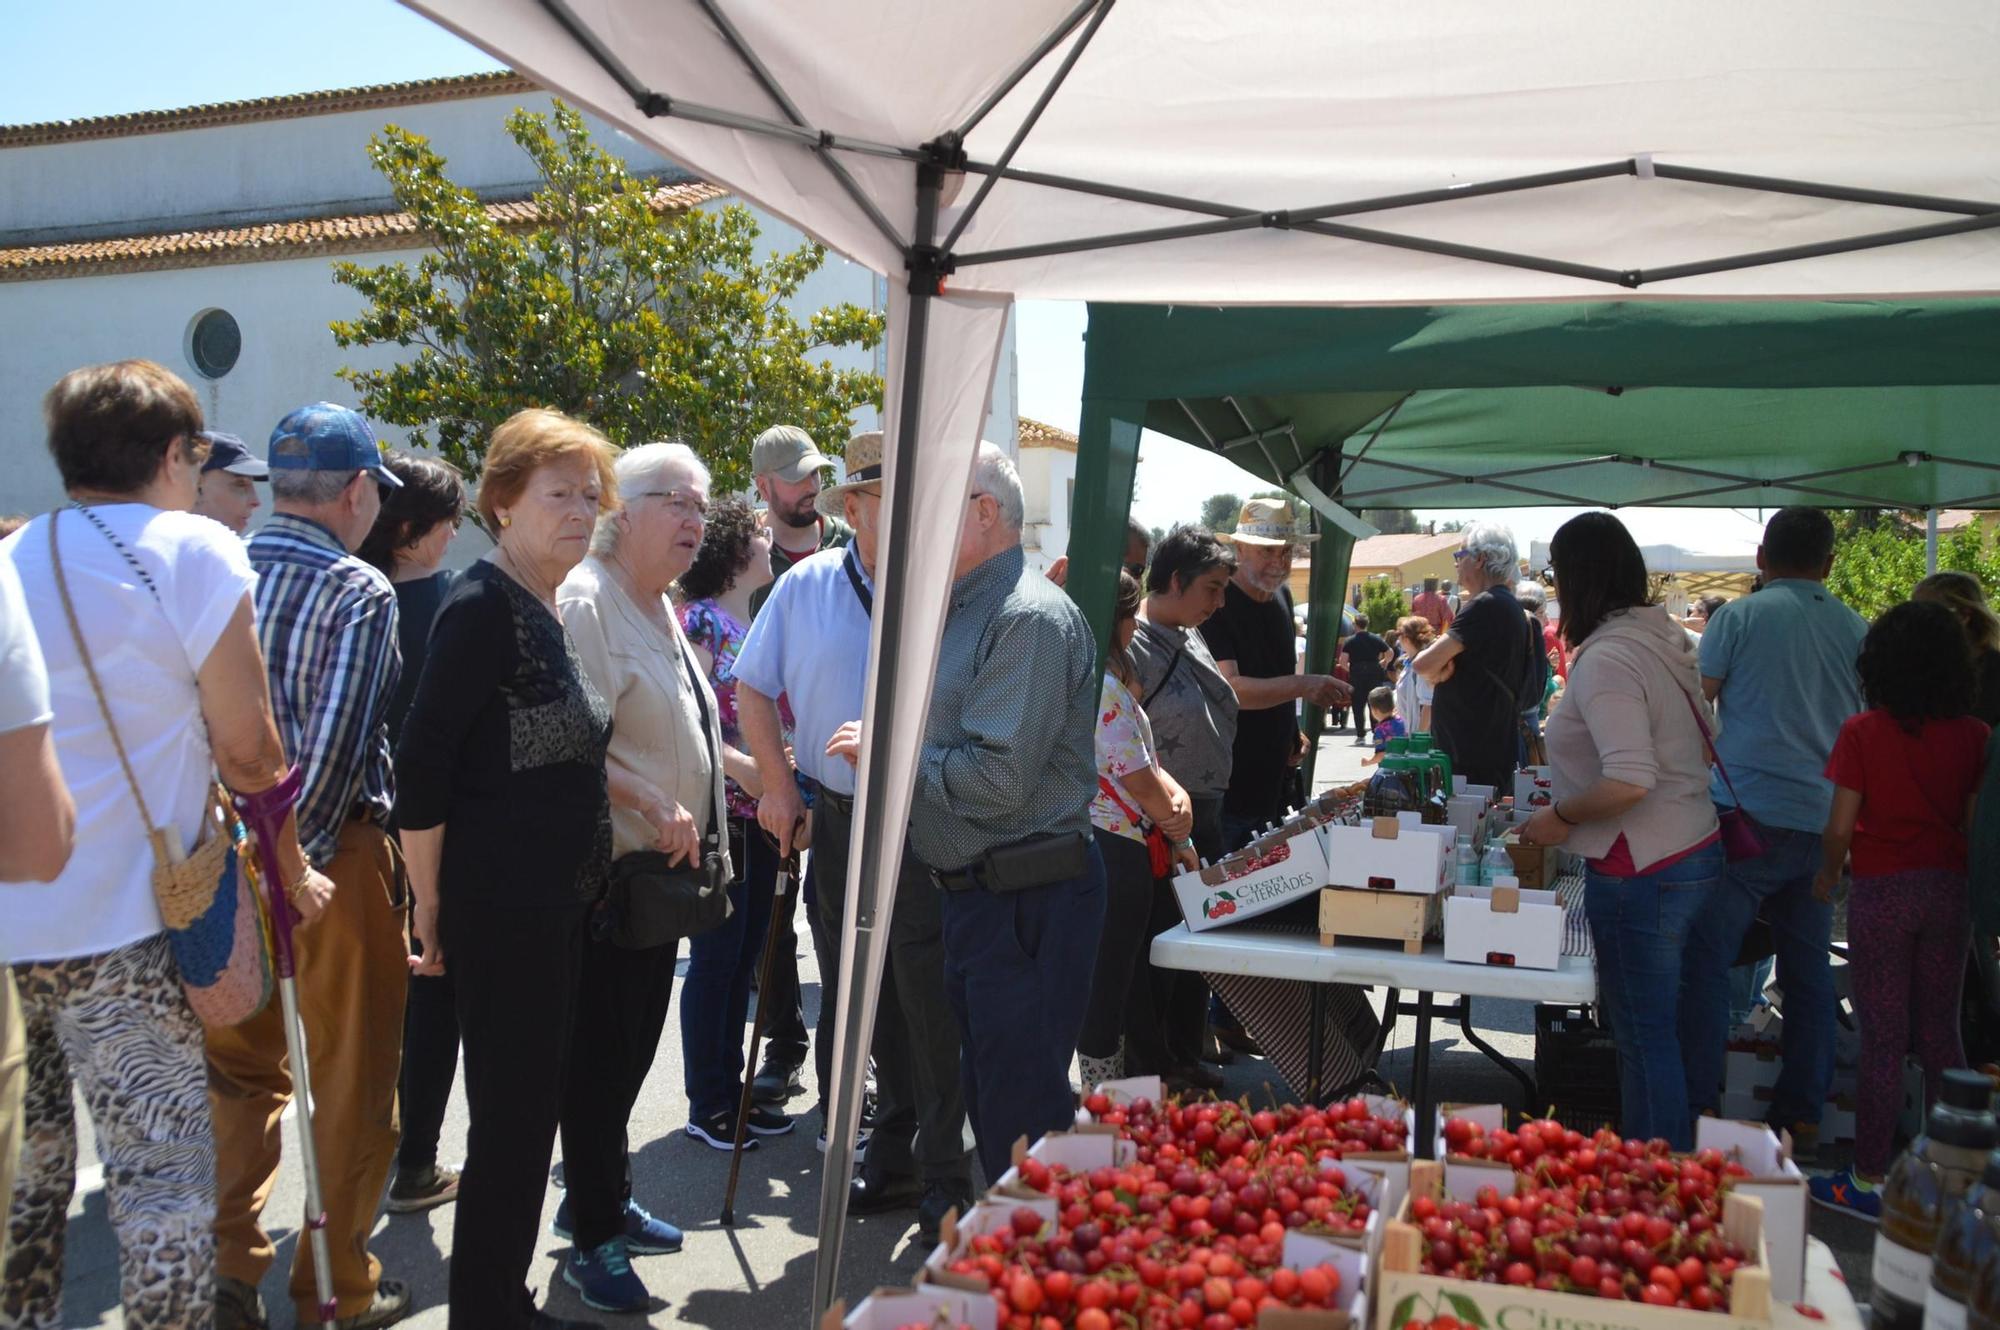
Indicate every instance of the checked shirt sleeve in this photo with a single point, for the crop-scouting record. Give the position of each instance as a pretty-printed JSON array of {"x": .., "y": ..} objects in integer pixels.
[{"x": 342, "y": 730}]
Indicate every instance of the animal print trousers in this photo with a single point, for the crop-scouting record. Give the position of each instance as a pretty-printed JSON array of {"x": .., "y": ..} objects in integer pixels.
[{"x": 119, "y": 1025}]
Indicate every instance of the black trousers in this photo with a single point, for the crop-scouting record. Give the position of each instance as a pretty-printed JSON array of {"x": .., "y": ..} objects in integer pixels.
[
  {"x": 783, "y": 1005},
  {"x": 1167, "y": 1017},
  {"x": 430, "y": 1065},
  {"x": 920, "y": 1119},
  {"x": 621, "y": 1010},
  {"x": 1121, "y": 951},
  {"x": 515, "y": 973}
]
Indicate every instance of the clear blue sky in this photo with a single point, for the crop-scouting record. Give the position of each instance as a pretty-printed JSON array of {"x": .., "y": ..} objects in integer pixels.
[{"x": 75, "y": 58}]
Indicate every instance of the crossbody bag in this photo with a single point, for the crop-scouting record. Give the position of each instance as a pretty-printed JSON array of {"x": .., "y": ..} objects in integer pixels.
[
  {"x": 212, "y": 910},
  {"x": 1742, "y": 838}
]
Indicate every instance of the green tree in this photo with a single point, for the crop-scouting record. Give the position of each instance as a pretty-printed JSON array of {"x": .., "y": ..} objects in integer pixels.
[
  {"x": 1384, "y": 605},
  {"x": 1218, "y": 512},
  {"x": 1877, "y": 566},
  {"x": 647, "y": 325},
  {"x": 1392, "y": 521}
]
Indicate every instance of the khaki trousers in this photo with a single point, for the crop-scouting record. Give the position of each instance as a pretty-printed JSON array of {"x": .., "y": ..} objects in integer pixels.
[
  {"x": 13, "y": 1074},
  {"x": 352, "y": 978}
]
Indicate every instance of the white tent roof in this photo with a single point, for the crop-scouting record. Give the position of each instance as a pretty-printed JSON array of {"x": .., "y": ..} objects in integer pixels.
[
  {"x": 1666, "y": 148},
  {"x": 1242, "y": 110}
]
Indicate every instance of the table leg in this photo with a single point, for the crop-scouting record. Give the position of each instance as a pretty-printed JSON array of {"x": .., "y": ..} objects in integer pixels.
[
  {"x": 1420, "y": 1081},
  {"x": 1532, "y": 1105},
  {"x": 1316, "y": 1047}
]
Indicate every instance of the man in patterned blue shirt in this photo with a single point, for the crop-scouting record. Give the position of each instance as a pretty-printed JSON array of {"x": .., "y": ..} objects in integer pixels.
[
  {"x": 1001, "y": 814},
  {"x": 327, "y": 623}
]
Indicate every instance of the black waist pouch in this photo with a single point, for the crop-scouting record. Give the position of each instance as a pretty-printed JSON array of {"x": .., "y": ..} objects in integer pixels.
[
  {"x": 1034, "y": 863},
  {"x": 654, "y": 904}
]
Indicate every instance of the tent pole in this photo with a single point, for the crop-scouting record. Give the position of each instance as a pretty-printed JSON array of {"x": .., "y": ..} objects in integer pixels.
[
  {"x": 1930, "y": 540},
  {"x": 1326, "y": 593},
  {"x": 867, "y": 926},
  {"x": 1107, "y": 459}
]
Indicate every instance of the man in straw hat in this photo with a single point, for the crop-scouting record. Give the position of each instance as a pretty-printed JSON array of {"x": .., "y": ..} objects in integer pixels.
[
  {"x": 809, "y": 644},
  {"x": 1254, "y": 644}
]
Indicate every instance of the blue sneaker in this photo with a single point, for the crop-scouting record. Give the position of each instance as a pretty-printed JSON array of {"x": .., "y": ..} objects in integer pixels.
[
  {"x": 645, "y": 1235},
  {"x": 604, "y": 1279},
  {"x": 1844, "y": 1191}
]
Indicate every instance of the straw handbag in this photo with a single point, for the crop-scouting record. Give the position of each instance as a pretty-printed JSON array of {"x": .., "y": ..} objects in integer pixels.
[{"x": 213, "y": 912}]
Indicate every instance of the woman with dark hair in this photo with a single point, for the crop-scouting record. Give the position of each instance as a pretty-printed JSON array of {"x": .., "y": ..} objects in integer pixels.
[
  {"x": 1192, "y": 709},
  {"x": 732, "y": 566},
  {"x": 1136, "y": 800},
  {"x": 1631, "y": 797},
  {"x": 1966, "y": 599},
  {"x": 1904, "y": 775},
  {"x": 407, "y": 543}
]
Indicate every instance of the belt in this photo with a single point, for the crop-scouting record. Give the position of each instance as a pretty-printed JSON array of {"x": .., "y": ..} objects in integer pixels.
[
  {"x": 841, "y": 803},
  {"x": 964, "y": 879}
]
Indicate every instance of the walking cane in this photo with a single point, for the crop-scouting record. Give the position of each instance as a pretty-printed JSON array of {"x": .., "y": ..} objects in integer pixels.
[
  {"x": 785, "y": 900},
  {"x": 265, "y": 813}
]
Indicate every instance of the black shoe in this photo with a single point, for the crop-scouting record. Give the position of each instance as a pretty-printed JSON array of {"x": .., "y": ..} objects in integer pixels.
[
  {"x": 940, "y": 1198},
  {"x": 872, "y": 1194},
  {"x": 719, "y": 1131},
  {"x": 764, "y": 1122},
  {"x": 776, "y": 1082},
  {"x": 1199, "y": 1076},
  {"x": 542, "y": 1320}
]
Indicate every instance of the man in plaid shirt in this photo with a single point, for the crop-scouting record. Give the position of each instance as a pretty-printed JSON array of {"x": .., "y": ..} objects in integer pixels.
[{"x": 327, "y": 623}]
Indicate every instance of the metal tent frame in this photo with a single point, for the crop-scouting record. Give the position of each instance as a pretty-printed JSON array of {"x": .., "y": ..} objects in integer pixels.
[{"x": 942, "y": 169}]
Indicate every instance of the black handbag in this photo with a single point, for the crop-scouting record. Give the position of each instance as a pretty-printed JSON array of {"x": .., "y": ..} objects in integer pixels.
[{"x": 653, "y": 903}]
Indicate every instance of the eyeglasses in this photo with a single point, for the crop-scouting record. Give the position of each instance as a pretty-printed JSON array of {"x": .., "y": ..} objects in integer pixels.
[
  {"x": 1463, "y": 554},
  {"x": 679, "y": 502},
  {"x": 1138, "y": 571}
]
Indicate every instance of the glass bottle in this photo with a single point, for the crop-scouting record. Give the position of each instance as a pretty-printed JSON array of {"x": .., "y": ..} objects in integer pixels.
[
  {"x": 1940, "y": 1165},
  {"x": 1967, "y": 1239}
]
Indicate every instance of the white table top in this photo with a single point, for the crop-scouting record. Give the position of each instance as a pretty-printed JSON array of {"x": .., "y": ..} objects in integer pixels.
[{"x": 1247, "y": 950}]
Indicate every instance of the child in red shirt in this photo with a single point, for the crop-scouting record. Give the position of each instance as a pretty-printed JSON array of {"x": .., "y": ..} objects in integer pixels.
[{"x": 1904, "y": 772}]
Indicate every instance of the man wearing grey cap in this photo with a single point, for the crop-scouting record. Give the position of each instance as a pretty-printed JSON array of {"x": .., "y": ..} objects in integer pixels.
[
  {"x": 327, "y": 623},
  {"x": 785, "y": 464},
  {"x": 226, "y": 490}
]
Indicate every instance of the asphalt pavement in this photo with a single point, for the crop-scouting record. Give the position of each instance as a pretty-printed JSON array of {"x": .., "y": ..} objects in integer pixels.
[{"x": 759, "y": 1274}]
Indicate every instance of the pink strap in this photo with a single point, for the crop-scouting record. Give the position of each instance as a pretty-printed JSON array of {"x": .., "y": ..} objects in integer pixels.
[
  {"x": 1714, "y": 752},
  {"x": 1138, "y": 819}
]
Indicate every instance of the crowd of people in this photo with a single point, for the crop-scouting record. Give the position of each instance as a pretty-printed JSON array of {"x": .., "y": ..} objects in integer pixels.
[{"x": 510, "y": 793}]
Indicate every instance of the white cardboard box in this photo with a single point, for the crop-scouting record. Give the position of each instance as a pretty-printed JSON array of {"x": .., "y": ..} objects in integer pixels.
[
  {"x": 1382, "y": 856},
  {"x": 1776, "y": 1181},
  {"x": 1271, "y": 871},
  {"x": 1503, "y": 924},
  {"x": 1534, "y": 787},
  {"x": 926, "y": 1304}
]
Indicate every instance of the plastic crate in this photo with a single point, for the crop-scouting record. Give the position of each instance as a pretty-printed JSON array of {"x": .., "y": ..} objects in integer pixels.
[{"x": 1576, "y": 1068}]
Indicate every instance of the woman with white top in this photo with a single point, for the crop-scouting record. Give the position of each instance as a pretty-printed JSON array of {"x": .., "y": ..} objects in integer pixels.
[{"x": 162, "y": 606}]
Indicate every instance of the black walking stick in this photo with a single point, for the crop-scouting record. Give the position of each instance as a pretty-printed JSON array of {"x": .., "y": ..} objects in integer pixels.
[{"x": 782, "y": 904}]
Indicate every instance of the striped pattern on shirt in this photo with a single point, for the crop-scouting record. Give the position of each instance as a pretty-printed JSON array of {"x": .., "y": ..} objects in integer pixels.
[{"x": 327, "y": 623}]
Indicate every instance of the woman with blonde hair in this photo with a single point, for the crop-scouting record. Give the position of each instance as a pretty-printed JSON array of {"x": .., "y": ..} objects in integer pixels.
[
  {"x": 1413, "y": 691},
  {"x": 1966, "y": 599},
  {"x": 506, "y": 826}
]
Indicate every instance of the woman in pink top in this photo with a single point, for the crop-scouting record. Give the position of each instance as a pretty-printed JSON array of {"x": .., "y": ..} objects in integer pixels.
[{"x": 1631, "y": 786}]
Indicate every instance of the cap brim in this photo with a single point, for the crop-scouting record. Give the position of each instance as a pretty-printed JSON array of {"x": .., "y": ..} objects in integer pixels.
[
  {"x": 385, "y": 477},
  {"x": 252, "y": 467},
  {"x": 1239, "y": 539},
  {"x": 810, "y": 464}
]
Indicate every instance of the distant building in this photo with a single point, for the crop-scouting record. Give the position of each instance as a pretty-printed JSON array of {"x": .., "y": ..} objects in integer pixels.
[
  {"x": 202, "y": 237},
  {"x": 1047, "y": 459},
  {"x": 1405, "y": 560}
]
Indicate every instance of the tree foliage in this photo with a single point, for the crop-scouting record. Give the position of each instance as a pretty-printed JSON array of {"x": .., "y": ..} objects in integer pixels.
[
  {"x": 1876, "y": 566},
  {"x": 1384, "y": 604},
  {"x": 649, "y": 326},
  {"x": 1218, "y": 512},
  {"x": 1393, "y": 521}
]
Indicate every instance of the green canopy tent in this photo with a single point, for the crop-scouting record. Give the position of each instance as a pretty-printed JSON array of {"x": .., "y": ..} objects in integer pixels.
[{"x": 1611, "y": 404}]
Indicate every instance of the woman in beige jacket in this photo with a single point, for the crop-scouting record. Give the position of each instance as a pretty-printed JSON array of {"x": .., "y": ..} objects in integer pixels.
[{"x": 1628, "y": 746}]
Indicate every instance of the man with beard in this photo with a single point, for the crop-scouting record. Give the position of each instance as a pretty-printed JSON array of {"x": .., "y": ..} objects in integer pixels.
[
  {"x": 785, "y": 465},
  {"x": 1254, "y": 644}
]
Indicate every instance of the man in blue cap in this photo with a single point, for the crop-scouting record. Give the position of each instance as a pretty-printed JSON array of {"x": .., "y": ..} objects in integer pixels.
[
  {"x": 226, "y": 490},
  {"x": 327, "y": 623}
]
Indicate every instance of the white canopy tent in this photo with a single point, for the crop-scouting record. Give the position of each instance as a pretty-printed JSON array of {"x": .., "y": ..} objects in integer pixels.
[{"x": 1162, "y": 151}]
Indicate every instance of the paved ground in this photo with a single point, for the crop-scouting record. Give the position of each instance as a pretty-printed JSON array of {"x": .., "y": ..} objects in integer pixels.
[{"x": 760, "y": 1275}]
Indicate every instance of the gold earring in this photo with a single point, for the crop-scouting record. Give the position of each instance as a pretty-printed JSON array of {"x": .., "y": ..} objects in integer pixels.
[{"x": 506, "y": 521}]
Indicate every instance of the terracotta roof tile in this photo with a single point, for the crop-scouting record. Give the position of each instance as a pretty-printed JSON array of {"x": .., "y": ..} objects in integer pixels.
[
  {"x": 1035, "y": 434},
  {"x": 333, "y": 102},
  {"x": 1395, "y": 551},
  {"x": 277, "y": 240}
]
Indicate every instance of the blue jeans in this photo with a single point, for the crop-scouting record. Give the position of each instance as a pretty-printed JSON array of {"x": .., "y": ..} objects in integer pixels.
[
  {"x": 1777, "y": 883},
  {"x": 715, "y": 995},
  {"x": 1641, "y": 928},
  {"x": 1017, "y": 970}
]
